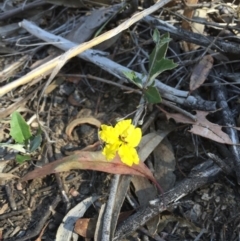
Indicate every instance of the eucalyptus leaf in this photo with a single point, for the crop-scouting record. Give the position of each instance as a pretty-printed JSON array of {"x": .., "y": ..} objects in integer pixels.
[
  {"x": 152, "y": 95},
  {"x": 20, "y": 130}
]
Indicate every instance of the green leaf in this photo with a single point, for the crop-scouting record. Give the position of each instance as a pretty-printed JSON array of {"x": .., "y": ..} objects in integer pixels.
[
  {"x": 159, "y": 51},
  {"x": 132, "y": 77},
  {"x": 20, "y": 159},
  {"x": 17, "y": 147},
  {"x": 35, "y": 142},
  {"x": 20, "y": 130},
  {"x": 152, "y": 95},
  {"x": 156, "y": 36},
  {"x": 161, "y": 66}
]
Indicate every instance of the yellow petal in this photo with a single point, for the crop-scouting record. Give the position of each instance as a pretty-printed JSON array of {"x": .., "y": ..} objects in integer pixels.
[
  {"x": 122, "y": 126},
  {"x": 134, "y": 136},
  {"x": 109, "y": 151},
  {"x": 108, "y": 134},
  {"x": 128, "y": 155}
]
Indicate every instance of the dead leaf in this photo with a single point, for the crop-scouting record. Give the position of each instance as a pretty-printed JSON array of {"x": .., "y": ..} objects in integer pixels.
[
  {"x": 186, "y": 24},
  {"x": 199, "y": 14},
  {"x": 91, "y": 161},
  {"x": 188, "y": 13},
  {"x": 85, "y": 227},
  {"x": 150, "y": 141},
  {"x": 6, "y": 176},
  {"x": 195, "y": 27},
  {"x": 164, "y": 164},
  {"x": 56, "y": 83},
  {"x": 203, "y": 127},
  {"x": 200, "y": 72},
  {"x": 143, "y": 189},
  {"x": 89, "y": 24},
  {"x": 80, "y": 121}
]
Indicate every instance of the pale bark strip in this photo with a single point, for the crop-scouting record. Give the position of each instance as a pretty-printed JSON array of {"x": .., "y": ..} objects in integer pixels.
[
  {"x": 57, "y": 63},
  {"x": 98, "y": 58},
  {"x": 199, "y": 39},
  {"x": 107, "y": 223}
]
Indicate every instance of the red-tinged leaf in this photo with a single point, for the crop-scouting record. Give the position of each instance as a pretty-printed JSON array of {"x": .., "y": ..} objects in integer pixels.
[
  {"x": 203, "y": 127},
  {"x": 200, "y": 72},
  {"x": 92, "y": 161}
]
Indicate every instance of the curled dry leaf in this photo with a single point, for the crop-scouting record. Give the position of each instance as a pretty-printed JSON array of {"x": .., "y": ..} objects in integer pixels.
[
  {"x": 203, "y": 127},
  {"x": 200, "y": 72},
  {"x": 88, "y": 120}
]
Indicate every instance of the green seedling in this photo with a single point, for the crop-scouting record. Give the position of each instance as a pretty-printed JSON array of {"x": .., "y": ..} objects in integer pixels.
[
  {"x": 158, "y": 63},
  {"x": 25, "y": 142}
]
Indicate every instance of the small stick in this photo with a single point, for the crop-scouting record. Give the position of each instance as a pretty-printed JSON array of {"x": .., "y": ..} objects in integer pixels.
[{"x": 11, "y": 200}]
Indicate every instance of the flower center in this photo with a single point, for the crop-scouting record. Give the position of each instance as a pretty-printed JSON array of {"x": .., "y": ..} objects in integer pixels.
[{"x": 122, "y": 139}]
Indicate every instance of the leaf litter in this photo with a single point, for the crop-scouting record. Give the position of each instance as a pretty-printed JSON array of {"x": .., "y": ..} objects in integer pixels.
[{"x": 59, "y": 116}]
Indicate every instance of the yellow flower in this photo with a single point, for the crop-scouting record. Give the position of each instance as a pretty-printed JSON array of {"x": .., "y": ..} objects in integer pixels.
[{"x": 123, "y": 138}]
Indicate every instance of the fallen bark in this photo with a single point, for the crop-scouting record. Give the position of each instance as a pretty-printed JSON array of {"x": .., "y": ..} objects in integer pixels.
[
  {"x": 228, "y": 121},
  {"x": 200, "y": 175},
  {"x": 99, "y": 58},
  {"x": 175, "y": 32}
]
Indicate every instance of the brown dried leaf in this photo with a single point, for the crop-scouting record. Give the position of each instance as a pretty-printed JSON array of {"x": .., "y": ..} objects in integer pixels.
[
  {"x": 188, "y": 13},
  {"x": 203, "y": 127},
  {"x": 200, "y": 72},
  {"x": 85, "y": 227},
  {"x": 186, "y": 24},
  {"x": 80, "y": 121}
]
